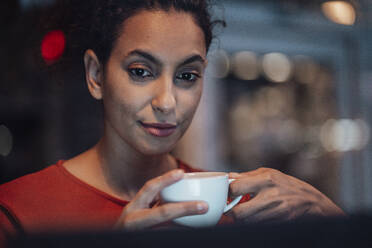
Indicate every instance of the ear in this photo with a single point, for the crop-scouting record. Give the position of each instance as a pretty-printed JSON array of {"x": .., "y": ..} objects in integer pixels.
[{"x": 93, "y": 74}]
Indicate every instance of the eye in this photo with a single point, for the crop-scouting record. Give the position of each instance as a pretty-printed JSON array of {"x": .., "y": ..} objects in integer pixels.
[
  {"x": 188, "y": 76},
  {"x": 140, "y": 73}
]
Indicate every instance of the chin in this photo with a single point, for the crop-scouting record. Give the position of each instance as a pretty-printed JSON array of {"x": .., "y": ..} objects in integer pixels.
[
  {"x": 158, "y": 148},
  {"x": 154, "y": 151}
]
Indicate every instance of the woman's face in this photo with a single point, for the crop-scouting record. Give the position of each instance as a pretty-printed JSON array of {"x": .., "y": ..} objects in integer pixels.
[{"x": 153, "y": 80}]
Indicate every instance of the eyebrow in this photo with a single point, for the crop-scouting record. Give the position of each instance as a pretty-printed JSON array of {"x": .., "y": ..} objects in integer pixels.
[
  {"x": 146, "y": 55},
  {"x": 153, "y": 59},
  {"x": 192, "y": 59}
]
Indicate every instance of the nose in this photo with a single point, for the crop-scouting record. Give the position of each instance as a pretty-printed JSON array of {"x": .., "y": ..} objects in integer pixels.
[{"x": 164, "y": 100}]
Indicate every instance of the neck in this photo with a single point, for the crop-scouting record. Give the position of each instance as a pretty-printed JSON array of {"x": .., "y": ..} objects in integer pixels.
[
  {"x": 125, "y": 170},
  {"x": 116, "y": 168}
]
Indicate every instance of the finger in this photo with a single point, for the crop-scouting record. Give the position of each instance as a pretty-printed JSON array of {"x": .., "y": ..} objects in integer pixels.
[
  {"x": 253, "y": 207},
  {"x": 257, "y": 171},
  {"x": 235, "y": 175},
  {"x": 155, "y": 216},
  {"x": 270, "y": 215},
  {"x": 250, "y": 173},
  {"x": 152, "y": 188},
  {"x": 250, "y": 185},
  {"x": 272, "y": 206},
  {"x": 289, "y": 209}
]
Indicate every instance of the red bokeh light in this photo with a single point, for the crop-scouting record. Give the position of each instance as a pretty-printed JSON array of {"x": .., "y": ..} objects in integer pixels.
[{"x": 53, "y": 45}]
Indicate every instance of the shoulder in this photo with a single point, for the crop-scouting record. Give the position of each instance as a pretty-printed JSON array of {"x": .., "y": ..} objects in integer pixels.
[
  {"x": 53, "y": 199},
  {"x": 21, "y": 198},
  {"x": 24, "y": 188},
  {"x": 15, "y": 198}
]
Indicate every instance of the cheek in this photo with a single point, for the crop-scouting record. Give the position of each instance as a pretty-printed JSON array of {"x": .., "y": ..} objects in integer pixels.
[
  {"x": 123, "y": 98},
  {"x": 189, "y": 103}
]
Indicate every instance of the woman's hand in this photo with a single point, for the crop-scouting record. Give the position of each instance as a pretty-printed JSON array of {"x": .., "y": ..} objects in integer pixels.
[
  {"x": 277, "y": 197},
  {"x": 139, "y": 215}
]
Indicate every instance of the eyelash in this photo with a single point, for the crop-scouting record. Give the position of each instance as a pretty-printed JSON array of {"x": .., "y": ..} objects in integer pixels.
[
  {"x": 146, "y": 74},
  {"x": 194, "y": 76},
  {"x": 134, "y": 73}
]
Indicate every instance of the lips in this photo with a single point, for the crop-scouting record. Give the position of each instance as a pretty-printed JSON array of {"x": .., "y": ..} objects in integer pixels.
[{"x": 159, "y": 129}]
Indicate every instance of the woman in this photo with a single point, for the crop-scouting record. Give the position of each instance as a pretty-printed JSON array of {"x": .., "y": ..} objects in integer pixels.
[{"x": 146, "y": 64}]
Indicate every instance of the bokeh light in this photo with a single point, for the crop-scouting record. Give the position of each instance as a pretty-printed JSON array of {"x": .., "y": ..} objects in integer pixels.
[
  {"x": 326, "y": 135},
  {"x": 53, "y": 46},
  {"x": 340, "y": 12},
  {"x": 245, "y": 65},
  {"x": 344, "y": 135},
  {"x": 276, "y": 67},
  {"x": 6, "y": 141},
  {"x": 219, "y": 63}
]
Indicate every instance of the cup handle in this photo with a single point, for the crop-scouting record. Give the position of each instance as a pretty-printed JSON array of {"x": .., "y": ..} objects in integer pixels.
[{"x": 234, "y": 202}]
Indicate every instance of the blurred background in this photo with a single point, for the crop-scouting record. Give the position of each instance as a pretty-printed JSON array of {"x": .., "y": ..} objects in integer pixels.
[{"x": 288, "y": 87}]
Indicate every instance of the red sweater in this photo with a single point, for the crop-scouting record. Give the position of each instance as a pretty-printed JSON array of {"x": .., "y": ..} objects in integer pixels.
[{"x": 55, "y": 200}]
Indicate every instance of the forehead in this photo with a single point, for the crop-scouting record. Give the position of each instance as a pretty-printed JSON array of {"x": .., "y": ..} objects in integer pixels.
[{"x": 165, "y": 33}]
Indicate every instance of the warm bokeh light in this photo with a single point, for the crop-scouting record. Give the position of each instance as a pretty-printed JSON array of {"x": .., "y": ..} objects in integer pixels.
[
  {"x": 326, "y": 135},
  {"x": 219, "y": 63},
  {"x": 344, "y": 135},
  {"x": 245, "y": 66},
  {"x": 277, "y": 67},
  {"x": 6, "y": 141},
  {"x": 53, "y": 46},
  {"x": 340, "y": 12}
]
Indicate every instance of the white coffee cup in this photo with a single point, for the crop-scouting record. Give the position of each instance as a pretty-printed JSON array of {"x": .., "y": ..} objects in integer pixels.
[{"x": 211, "y": 187}]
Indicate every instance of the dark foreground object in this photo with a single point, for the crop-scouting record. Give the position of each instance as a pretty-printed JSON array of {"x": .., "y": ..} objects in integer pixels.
[{"x": 353, "y": 232}]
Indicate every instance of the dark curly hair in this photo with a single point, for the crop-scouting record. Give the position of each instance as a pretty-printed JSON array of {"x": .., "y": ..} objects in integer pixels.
[{"x": 109, "y": 15}]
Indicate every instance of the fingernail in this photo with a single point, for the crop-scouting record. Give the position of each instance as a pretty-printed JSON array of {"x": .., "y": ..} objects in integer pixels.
[
  {"x": 234, "y": 175},
  {"x": 201, "y": 206},
  {"x": 177, "y": 173}
]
